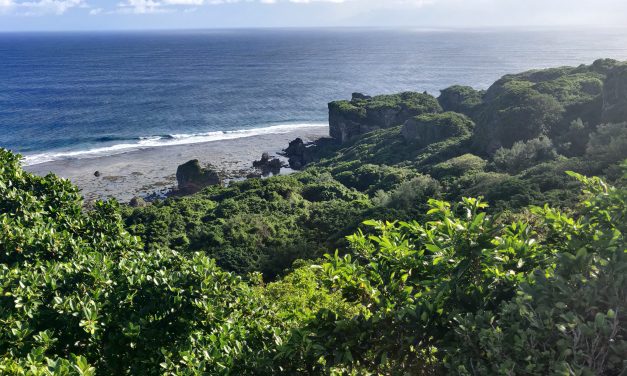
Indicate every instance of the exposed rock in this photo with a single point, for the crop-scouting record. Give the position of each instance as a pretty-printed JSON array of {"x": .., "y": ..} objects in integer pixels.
[
  {"x": 429, "y": 128},
  {"x": 349, "y": 119},
  {"x": 615, "y": 95},
  {"x": 462, "y": 99},
  {"x": 267, "y": 165},
  {"x": 299, "y": 154},
  {"x": 360, "y": 96},
  {"x": 137, "y": 202},
  {"x": 253, "y": 175},
  {"x": 97, "y": 174},
  {"x": 192, "y": 178}
]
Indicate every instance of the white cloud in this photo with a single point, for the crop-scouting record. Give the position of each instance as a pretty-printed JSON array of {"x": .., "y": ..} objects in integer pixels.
[
  {"x": 183, "y": 2},
  {"x": 5, "y": 4},
  {"x": 42, "y": 7},
  {"x": 141, "y": 7}
]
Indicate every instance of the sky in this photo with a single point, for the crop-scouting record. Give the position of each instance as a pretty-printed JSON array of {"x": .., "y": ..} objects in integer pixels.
[{"x": 60, "y": 15}]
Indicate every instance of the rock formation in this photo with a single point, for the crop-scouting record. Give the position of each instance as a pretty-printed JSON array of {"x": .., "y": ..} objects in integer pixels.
[
  {"x": 429, "y": 128},
  {"x": 362, "y": 114},
  {"x": 267, "y": 165},
  {"x": 192, "y": 178},
  {"x": 299, "y": 154},
  {"x": 462, "y": 99}
]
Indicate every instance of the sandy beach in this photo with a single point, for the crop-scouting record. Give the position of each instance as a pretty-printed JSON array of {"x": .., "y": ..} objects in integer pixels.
[{"x": 153, "y": 170}]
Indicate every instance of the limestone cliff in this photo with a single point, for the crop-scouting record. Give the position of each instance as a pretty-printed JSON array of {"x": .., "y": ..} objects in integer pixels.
[
  {"x": 362, "y": 114},
  {"x": 430, "y": 128}
]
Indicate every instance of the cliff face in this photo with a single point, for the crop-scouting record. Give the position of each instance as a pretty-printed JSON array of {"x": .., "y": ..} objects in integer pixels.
[
  {"x": 362, "y": 114},
  {"x": 462, "y": 99},
  {"x": 615, "y": 96},
  {"x": 565, "y": 104},
  {"x": 430, "y": 128},
  {"x": 524, "y": 106}
]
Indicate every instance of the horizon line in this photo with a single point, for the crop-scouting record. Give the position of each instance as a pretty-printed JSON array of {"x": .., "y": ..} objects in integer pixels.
[{"x": 382, "y": 28}]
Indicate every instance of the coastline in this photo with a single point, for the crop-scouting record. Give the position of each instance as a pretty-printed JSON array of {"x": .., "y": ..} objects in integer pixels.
[{"x": 151, "y": 170}]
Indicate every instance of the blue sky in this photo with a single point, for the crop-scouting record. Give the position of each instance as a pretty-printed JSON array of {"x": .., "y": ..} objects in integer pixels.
[{"x": 18, "y": 15}]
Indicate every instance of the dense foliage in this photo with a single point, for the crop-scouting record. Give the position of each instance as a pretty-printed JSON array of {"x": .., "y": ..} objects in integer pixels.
[{"x": 462, "y": 291}]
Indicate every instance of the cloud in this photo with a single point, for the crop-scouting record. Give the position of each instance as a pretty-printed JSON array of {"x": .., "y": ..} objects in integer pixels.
[
  {"x": 5, "y": 4},
  {"x": 42, "y": 7},
  {"x": 183, "y": 2},
  {"x": 141, "y": 7}
]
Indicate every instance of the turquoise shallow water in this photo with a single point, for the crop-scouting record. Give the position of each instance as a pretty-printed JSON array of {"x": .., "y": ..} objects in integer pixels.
[{"x": 71, "y": 95}]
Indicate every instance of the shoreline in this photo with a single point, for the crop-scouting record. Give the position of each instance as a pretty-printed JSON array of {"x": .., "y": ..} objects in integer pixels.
[{"x": 152, "y": 170}]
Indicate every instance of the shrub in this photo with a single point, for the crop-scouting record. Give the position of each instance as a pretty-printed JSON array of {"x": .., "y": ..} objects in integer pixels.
[
  {"x": 409, "y": 194},
  {"x": 524, "y": 154},
  {"x": 464, "y": 164},
  {"x": 609, "y": 143}
]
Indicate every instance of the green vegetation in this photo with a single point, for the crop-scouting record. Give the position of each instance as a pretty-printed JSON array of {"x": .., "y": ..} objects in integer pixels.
[
  {"x": 459, "y": 292},
  {"x": 372, "y": 260}
]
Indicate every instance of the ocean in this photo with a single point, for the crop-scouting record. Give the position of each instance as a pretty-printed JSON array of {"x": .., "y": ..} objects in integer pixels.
[{"x": 77, "y": 95}]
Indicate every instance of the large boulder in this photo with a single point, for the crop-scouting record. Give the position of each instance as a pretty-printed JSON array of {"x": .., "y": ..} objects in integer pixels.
[
  {"x": 137, "y": 202},
  {"x": 191, "y": 177},
  {"x": 267, "y": 165},
  {"x": 362, "y": 114},
  {"x": 615, "y": 95},
  {"x": 299, "y": 154},
  {"x": 429, "y": 128}
]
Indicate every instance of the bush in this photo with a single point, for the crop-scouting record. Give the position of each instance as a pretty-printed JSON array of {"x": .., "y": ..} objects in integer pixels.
[
  {"x": 609, "y": 143},
  {"x": 458, "y": 166},
  {"x": 524, "y": 154},
  {"x": 568, "y": 318},
  {"x": 409, "y": 194},
  {"x": 463, "y": 294}
]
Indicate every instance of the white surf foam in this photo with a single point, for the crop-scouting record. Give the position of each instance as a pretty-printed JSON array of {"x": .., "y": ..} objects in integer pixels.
[{"x": 158, "y": 141}]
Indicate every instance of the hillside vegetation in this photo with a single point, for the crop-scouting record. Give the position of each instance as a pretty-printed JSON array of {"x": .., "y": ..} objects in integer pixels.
[{"x": 375, "y": 259}]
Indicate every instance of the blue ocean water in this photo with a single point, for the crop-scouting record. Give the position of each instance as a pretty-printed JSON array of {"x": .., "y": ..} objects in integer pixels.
[{"x": 83, "y": 94}]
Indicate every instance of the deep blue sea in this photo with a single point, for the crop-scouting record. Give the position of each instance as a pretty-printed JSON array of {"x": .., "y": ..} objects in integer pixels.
[{"x": 83, "y": 94}]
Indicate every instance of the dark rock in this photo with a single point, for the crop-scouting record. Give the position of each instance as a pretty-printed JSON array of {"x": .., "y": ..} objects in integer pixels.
[
  {"x": 97, "y": 174},
  {"x": 267, "y": 165},
  {"x": 359, "y": 96},
  {"x": 137, "y": 202},
  {"x": 299, "y": 154},
  {"x": 430, "y": 128},
  {"x": 192, "y": 178}
]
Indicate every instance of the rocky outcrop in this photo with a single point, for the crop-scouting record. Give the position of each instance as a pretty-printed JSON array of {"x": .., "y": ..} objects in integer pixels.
[
  {"x": 362, "y": 114},
  {"x": 429, "y": 128},
  {"x": 267, "y": 165},
  {"x": 462, "y": 99},
  {"x": 192, "y": 178},
  {"x": 299, "y": 154},
  {"x": 615, "y": 95}
]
